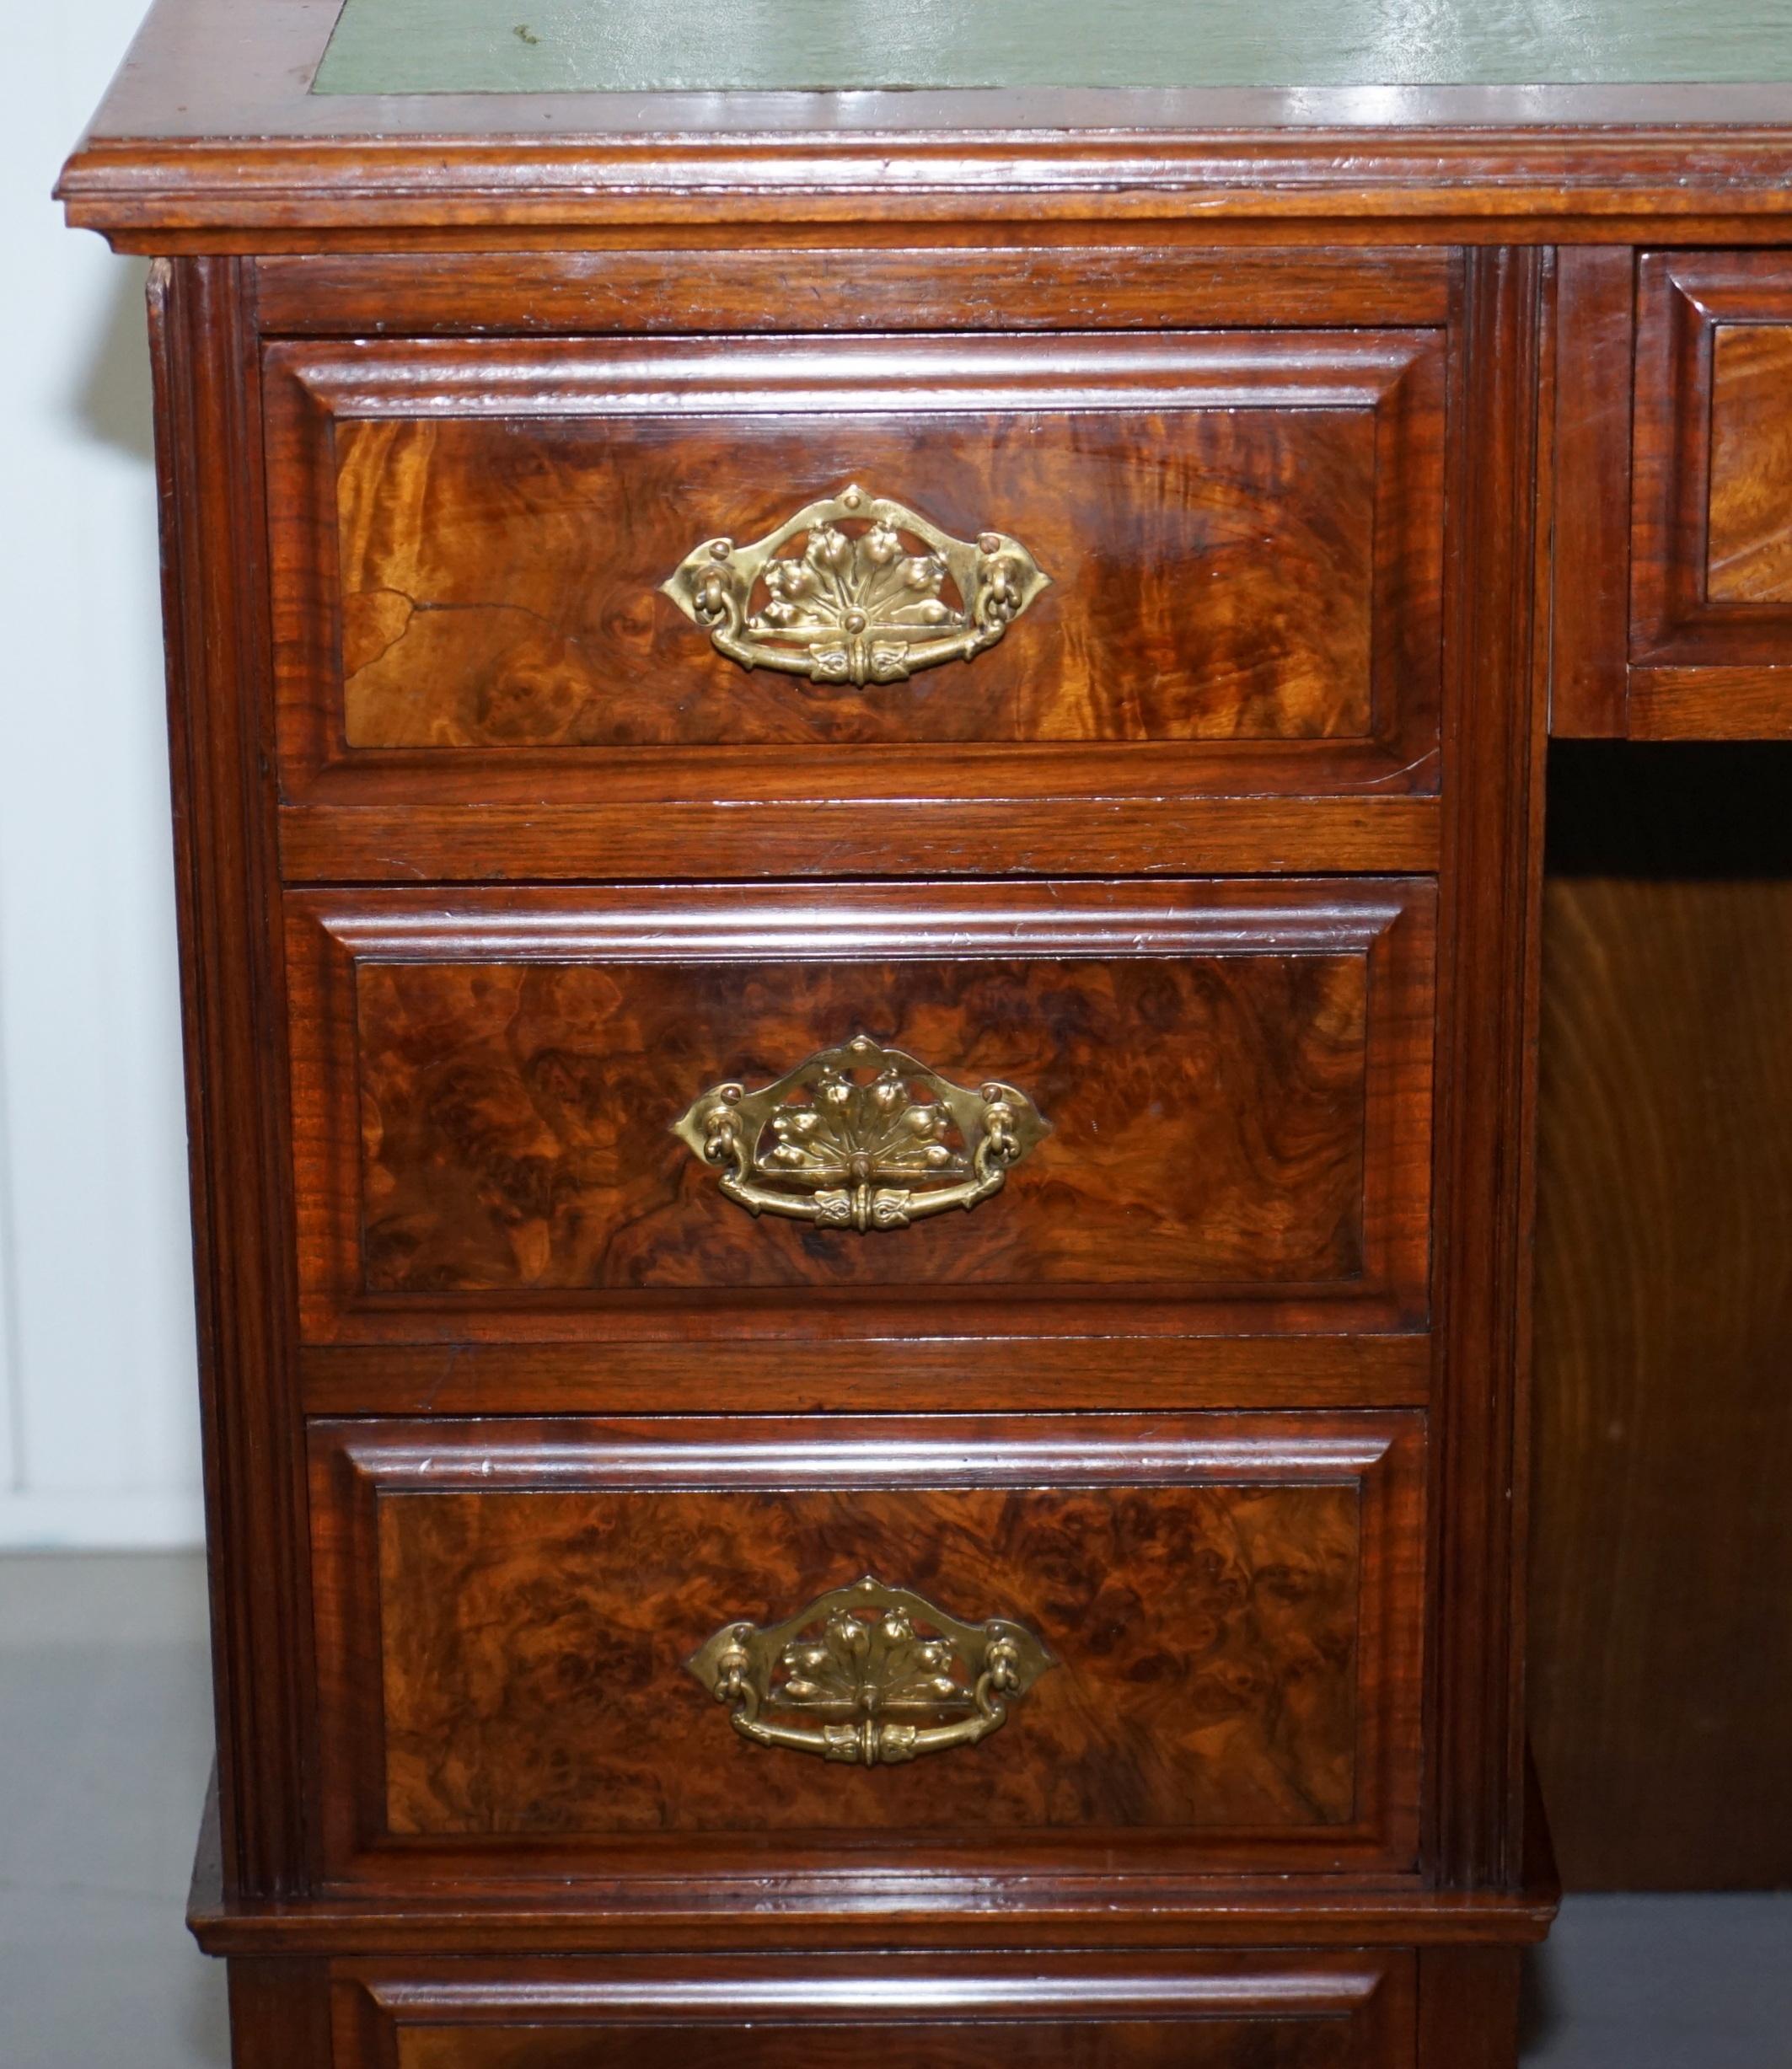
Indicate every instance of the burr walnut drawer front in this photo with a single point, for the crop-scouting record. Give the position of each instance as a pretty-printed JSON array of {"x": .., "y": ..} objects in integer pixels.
[
  {"x": 556, "y": 569},
  {"x": 1003, "y": 1109},
  {"x": 568, "y": 1647},
  {"x": 1189, "y": 2011}
]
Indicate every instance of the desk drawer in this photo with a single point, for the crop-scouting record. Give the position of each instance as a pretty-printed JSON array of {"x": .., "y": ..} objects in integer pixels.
[
  {"x": 1711, "y": 579},
  {"x": 1303, "y": 2010},
  {"x": 582, "y": 573},
  {"x": 946, "y": 1110},
  {"x": 571, "y": 1647}
]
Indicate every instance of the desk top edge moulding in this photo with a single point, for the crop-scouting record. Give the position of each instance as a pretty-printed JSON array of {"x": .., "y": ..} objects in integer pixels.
[{"x": 857, "y": 724}]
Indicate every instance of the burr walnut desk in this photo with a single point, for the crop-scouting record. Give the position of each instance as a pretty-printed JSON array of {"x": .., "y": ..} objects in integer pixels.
[{"x": 857, "y": 787}]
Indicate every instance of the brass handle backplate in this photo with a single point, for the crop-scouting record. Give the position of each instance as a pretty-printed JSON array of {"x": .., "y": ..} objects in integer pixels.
[
  {"x": 873, "y": 593},
  {"x": 861, "y": 1137},
  {"x": 870, "y": 1675}
]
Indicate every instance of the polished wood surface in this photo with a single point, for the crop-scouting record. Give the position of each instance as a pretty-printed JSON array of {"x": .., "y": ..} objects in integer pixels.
[
  {"x": 547, "y": 809},
  {"x": 1111, "y": 284},
  {"x": 226, "y": 869},
  {"x": 1277, "y": 2012},
  {"x": 1213, "y": 579},
  {"x": 1224, "y": 1107},
  {"x": 1135, "y": 818},
  {"x": 1472, "y": 1788},
  {"x": 1206, "y": 1367},
  {"x": 1493, "y": 747},
  {"x": 1587, "y": 491},
  {"x": 1358, "y": 435},
  {"x": 211, "y": 136},
  {"x": 1232, "y": 1604},
  {"x": 1699, "y": 312},
  {"x": 484, "y": 1096},
  {"x": 1251, "y": 550},
  {"x": 517, "y": 1135},
  {"x": 1662, "y": 1662},
  {"x": 1748, "y": 532},
  {"x": 1711, "y": 631}
]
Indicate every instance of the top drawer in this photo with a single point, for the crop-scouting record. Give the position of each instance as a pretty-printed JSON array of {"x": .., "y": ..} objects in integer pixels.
[
  {"x": 627, "y": 574},
  {"x": 1673, "y": 579}
]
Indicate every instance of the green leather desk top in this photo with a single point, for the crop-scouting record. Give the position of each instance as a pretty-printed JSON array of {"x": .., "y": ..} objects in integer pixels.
[{"x": 579, "y": 46}]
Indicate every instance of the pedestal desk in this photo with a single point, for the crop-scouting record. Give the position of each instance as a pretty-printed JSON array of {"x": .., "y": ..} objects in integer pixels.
[{"x": 857, "y": 699}]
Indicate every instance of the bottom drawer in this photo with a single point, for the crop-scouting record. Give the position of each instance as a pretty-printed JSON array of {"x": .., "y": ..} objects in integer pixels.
[
  {"x": 1293, "y": 2011},
  {"x": 1185, "y": 1643}
]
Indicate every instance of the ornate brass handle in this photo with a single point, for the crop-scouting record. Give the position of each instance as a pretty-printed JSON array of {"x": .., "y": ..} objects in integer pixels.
[
  {"x": 846, "y": 1677},
  {"x": 861, "y": 1137},
  {"x": 856, "y": 603}
]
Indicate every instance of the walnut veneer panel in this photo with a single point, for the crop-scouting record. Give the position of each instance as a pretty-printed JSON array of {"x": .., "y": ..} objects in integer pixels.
[
  {"x": 499, "y": 580},
  {"x": 1233, "y": 1604},
  {"x": 1324, "y": 2011},
  {"x": 1711, "y": 578},
  {"x": 1748, "y": 543},
  {"x": 1236, "y": 1079},
  {"x": 1244, "y": 532}
]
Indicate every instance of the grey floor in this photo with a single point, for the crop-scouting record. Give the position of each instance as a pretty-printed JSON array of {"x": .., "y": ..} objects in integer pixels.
[{"x": 105, "y": 1731}]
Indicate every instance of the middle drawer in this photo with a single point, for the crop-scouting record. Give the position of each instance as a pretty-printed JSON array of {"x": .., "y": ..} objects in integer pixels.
[{"x": 958, "y": 1110}]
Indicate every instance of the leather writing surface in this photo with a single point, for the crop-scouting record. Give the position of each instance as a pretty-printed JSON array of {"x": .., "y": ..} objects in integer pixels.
[{"x": 544, "y": 46}]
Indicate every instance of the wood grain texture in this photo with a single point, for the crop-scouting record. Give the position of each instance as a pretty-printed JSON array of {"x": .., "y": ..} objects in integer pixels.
[
  {"x": 1662, "y": 1663},
  {"x": 1230, "y": 1114},
  {"x": 1494, "y": 739},
  {"x": 532, "y": 1668},
  {"x": 1709, "y": 703},
  {"x": 1014, "y": 826},
  {"x": 1138, "y": 2012},
  {"x": 237, "y": 147},
  {"x": 501, "y": 582},
  {"x": 1710, "y": 487},
  {"x": 1234, "y": 1607},
  {"x": 209, "y": 486},
  {"x": 517, "y": 1137},
  {"x": 1748, "y": 533},
  {"x": 1214, "y": 1368},
  {"x": 1356, "y": 700},
  {"x": 1110, "y": 285},
  {"x": 1588, "y": 489},
  {"x": 879, "y": 1913},
  {"x": 280, "y": 2014},
  {"x": 1468, "y": 2007},
  {"x": 1243, "y": 532}
]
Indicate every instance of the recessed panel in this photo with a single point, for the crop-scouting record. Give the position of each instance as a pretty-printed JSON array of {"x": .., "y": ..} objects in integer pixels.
[
  {"x": 1711, "y": 567},
  {"x": 1748, "y": 543},
  {"x": 529, "y": 1114},
  {"x": 563, "y": 1638},
  {"x": 1213, "y": 577},
  {"x": 1222, "y": 544}
]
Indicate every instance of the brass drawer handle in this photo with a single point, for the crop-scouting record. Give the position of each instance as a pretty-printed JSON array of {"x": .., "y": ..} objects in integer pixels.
[
  {"x": 855, "y": 604},
  {"x": 844, "y": 1677},
  {"x": 861, "y": 1137}
]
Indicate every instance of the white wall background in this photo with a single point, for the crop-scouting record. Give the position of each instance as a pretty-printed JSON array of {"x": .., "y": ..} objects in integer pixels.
[{"x": 97, "y": 1425}]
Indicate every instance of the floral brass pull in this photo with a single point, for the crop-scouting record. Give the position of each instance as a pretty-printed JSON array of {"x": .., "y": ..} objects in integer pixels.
[
  {"x": 861, "y": 1137},
  {"x": 852, "y": 1677},
  {"x": 855, "y": 603}
]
